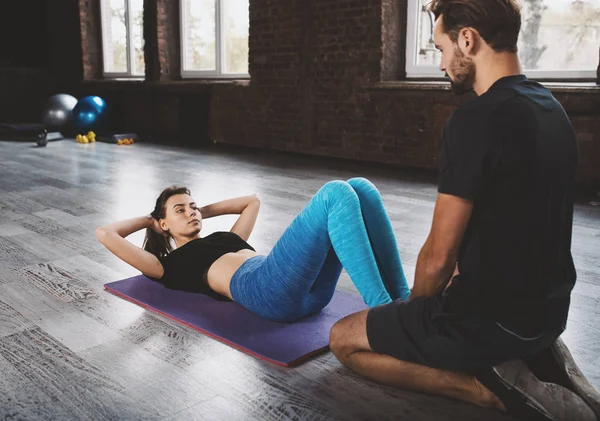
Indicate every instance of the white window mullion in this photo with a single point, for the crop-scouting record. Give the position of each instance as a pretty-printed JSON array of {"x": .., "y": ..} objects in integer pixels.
[
  {"x": 411, "y": 36},
  {"x": 219, "y": 38},
  {"x": 183, "y": 33},
  {"x": 104, "y": 33},
  {"x": 130, "y": 50},
  {"x": 560, "y": 74}
]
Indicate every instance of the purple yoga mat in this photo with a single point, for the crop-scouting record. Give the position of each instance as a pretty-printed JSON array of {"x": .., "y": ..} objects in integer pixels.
[{"x": 284, "y": 344}]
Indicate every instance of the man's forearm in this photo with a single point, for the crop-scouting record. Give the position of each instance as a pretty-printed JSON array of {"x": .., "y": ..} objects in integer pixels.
[{"x": 432, "y": 273}]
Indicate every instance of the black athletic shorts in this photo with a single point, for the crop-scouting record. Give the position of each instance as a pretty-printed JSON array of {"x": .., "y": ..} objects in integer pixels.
[{"x": 419, "y": 331}]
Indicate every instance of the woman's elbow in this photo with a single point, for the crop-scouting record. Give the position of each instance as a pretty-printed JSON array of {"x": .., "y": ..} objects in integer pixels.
[
  {"x": 254, "y": 202},
  {"x": 101, "y": 233}
]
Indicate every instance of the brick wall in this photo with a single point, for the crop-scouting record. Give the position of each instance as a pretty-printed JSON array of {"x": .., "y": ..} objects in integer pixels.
[
  {"x": 91, "y": 45},
  {"x": 310, "y": 64},
  {"x": 316, "y": 68}
]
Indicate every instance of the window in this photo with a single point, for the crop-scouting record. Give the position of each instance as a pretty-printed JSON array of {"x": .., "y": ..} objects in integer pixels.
[
  {"x": 123, "y": 37},
  {"x": 214, "y": 38},
  {"x": 559, "y": 39}
]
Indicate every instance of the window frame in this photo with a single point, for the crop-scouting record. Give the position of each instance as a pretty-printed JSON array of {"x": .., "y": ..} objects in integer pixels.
[
  {"x": 219, "y": 44},
  {"x": 414, "y": 71},
  {"x": 129, "y": 50}
]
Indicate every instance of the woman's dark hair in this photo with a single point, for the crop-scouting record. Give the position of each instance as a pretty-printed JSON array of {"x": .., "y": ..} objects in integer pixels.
[
  {"x": 497, "y": 21},
  {"x": 155, "y": 243}
]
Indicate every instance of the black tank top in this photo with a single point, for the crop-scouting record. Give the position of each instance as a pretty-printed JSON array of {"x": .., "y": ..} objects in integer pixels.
[{"x": 185, "y": 268}]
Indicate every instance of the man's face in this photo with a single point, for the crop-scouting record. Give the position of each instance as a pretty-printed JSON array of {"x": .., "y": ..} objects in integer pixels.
[{"x": 458, "y": 68}]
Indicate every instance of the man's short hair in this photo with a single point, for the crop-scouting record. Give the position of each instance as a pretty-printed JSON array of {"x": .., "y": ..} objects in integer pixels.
[{"x": 497, "y": 21}]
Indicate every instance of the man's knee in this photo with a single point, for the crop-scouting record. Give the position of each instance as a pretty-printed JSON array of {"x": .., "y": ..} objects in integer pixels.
[
  {"x": 349, "y": 335},
  {"x": 336, "y": 340}
]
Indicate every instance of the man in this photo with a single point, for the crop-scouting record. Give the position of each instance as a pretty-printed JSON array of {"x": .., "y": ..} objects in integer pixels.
[{"x": 493, "y": 279}]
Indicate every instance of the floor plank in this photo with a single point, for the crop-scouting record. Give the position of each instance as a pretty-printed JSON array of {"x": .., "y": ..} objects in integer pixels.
[
  {"x": 71, "y": 384},
  {"x": 11, "y": 321}
]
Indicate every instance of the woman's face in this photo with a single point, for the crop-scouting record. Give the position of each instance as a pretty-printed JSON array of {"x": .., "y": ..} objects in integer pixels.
[{"x": 182, "y": 216}]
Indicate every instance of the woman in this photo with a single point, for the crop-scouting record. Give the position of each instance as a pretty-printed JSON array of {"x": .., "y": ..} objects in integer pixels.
[{"x": 344, "y": 225}]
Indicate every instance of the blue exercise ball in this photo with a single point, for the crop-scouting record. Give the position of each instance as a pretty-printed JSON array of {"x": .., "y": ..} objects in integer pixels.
[
  {"x": 58, "y": 111},
  {"x": 89, "y": 114}
]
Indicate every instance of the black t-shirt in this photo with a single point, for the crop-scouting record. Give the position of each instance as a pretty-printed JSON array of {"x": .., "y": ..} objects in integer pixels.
[
  {"x": 512, "y": 151},
  {"x": 185, "y": 268}
]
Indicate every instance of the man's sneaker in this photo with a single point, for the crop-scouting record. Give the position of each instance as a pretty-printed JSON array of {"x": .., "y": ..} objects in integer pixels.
[
  {"x": 555, "y": 364},
  {"x": 527, "y": 398}
]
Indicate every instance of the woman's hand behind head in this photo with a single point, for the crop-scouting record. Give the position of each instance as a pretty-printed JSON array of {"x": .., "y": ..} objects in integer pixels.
[{"x": 155, "y": 226}]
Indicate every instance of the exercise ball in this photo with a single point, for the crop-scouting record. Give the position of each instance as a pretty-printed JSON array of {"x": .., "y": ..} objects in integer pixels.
[
  {"x": 57, "y": 111},
  {"x": 89, "y": 114}
]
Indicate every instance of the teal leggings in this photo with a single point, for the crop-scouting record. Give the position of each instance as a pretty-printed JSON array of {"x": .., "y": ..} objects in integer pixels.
[{"x": 344, "y": 226}]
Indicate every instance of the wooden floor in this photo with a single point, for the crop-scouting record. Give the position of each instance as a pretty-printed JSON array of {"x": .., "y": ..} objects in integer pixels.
[{"x": 71, "y": 351}]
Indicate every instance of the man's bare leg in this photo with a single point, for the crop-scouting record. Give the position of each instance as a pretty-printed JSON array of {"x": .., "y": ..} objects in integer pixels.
[{"x": 349, "y": 343}]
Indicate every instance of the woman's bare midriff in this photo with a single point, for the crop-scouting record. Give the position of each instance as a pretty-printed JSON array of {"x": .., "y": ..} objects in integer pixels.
[{"x": 222, "y": 270}]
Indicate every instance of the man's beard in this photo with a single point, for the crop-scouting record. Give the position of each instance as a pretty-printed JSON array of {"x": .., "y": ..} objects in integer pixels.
[{"x": 463, "y": 70}]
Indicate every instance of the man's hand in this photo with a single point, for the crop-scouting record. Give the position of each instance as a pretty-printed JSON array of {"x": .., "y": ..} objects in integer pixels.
[{"x": 437, "y": 259}]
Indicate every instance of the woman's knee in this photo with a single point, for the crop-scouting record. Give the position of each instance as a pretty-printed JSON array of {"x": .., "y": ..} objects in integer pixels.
[
  {"x": 362, "y": 185},
  {"x": 337, "y": 189},
  {"x": 335, "y": 186}
]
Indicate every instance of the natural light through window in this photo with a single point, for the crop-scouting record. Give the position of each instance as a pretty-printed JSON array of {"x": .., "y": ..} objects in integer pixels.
[
  {"x": 214, "y": 38},
  {"x": 123, "y": 37},
  {"x": 559, "y": 39}
]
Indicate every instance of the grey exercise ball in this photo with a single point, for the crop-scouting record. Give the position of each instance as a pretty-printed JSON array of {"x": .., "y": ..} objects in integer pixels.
[{"x": 58, "y": 110}]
